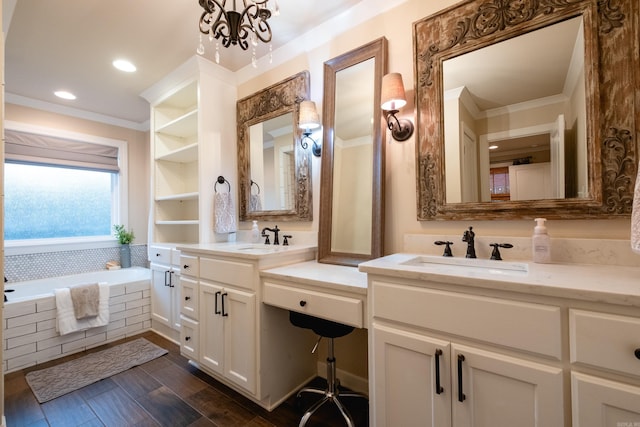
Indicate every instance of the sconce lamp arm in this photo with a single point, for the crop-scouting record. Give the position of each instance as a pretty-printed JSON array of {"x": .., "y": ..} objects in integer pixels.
[{"x": 401, "y": 129}]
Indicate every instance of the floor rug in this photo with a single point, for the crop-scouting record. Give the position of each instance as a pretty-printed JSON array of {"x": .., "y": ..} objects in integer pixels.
[{"x": 49, "y": 383}]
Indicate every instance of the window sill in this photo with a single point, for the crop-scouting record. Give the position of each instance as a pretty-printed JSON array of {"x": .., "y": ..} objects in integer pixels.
[{"x": 24, "y": 247}]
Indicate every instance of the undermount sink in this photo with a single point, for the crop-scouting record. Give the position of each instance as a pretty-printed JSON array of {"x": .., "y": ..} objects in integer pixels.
[
  {"x": 259, "y": 247},
  {"x": 451, "y": 264}
]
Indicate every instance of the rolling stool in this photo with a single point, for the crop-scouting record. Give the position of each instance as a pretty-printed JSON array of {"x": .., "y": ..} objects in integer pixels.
[{"x": 327, "y": 329}]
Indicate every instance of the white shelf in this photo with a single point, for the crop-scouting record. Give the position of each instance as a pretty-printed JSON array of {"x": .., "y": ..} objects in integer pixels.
[
  {"x": 186, "y": 154},
  {"x": 183, "y": 126},
  {"x": 178, "y": 197},
  {"x": 179, "y": 222}
]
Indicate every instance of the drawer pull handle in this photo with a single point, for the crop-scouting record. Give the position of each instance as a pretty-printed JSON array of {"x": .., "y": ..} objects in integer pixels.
[
  {"x": 439, "y": 388},
  {"x": 224, "y": 313},
  {"x": 216, "y": 309},
  {"x": 637, "y": 353},
  {"x": 157, "y": 254},
  {"x": 187, "y": 298},
  {"x": 461, "y": 396},
  {"x": 303, "y": 303},
  {"x": 186, "y": 266},
  {"x": 187, "y": 338}
]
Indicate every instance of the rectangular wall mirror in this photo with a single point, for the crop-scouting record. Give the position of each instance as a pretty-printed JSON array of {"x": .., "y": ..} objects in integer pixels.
[
  {"x": 525, "y": 110},
  {"x": 352, "y": 183},
  {"x": 273, "y": 169}
]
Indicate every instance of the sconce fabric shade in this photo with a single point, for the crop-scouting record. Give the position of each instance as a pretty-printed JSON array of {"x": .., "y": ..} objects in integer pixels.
[
  {"x": 309, "y": 118},
  {"x": 393, "y": 97}
]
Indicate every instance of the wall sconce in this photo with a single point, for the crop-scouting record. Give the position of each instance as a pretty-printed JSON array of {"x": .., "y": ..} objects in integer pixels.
[
  {"x": 308, "y": 120},
  {"x": 393, "y": 98}
]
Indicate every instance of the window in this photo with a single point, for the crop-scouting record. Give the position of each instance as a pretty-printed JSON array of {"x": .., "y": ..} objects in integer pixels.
[
  {"x": 62, "y": 186},
  {"x": 43, "y": 202}
]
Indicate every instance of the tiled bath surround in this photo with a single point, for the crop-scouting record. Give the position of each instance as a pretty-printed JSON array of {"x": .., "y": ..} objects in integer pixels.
[
  {"x": 30, "y": 335},
  {"x": 19, "y": 268}
]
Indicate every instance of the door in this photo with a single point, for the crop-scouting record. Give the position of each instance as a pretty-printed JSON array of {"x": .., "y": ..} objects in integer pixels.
[
  {"x": 600, "y": 403},
  {"x": 211, "y": 327},
  {"x": 557, "y": 153},
  {"x": 412, "y": 379},
  {"x": 239, "y": 316},
  {"x": 494, "y": 390},
  {"x": 161, "y": 304}
]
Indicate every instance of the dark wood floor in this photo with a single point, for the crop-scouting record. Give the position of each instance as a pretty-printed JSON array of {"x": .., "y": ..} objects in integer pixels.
[{"x": 164, "y": 392}]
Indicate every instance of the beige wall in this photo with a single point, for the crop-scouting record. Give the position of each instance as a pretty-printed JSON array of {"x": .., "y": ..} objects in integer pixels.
[
  {"x": 138, "y": 144},
  {"x": 396, "y": 26}
]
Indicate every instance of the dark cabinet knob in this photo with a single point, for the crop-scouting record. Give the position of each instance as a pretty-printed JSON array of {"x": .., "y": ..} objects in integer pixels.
[
  {"x": 637, "y": 353},
  {"x": 187, "y": 298},
  {"x": 187, "y": 338},
  {"x": 303, "y": 303},
  {"x": 186, "y": 266}
]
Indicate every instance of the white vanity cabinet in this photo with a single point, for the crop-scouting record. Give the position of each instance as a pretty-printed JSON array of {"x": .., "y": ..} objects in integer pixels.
[
  {"x": 610, "y": 344},
  {"x": 443, "y": 358}
]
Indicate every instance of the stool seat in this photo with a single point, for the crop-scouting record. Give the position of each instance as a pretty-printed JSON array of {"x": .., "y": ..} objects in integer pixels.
[{"x": 325, "y": 329}]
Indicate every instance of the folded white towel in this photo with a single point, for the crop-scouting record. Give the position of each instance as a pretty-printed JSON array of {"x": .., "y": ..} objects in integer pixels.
[
  {"x": 224, "y": 213},
  {"x": 66, "y": 319},
  {"x": 635, "y": 217}
]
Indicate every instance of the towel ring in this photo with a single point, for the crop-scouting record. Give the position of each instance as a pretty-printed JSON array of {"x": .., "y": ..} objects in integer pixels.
[
  {"x": 221, "y": 180},
  {"x": 256, "y": 184}
]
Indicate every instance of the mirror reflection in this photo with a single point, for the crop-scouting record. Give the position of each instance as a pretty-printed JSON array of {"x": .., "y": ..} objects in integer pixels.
[
  {"x": 353, "y": 159},
  {"x": 515, "y": 116},
  {"x": 272, "y": 164}
]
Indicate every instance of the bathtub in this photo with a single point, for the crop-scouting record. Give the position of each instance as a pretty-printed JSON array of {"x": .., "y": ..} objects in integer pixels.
[
  {"x": 44, "y": 287},
  {"x": 29, "y": 316}
]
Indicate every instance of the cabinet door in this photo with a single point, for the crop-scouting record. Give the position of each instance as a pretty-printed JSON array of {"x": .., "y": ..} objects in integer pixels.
[
  {"x": 211, "y": 327},
  {"x": 601, "y": 403},
  {"x": 494, "y": 390},
  {"x": 239, "y": 314},
  {"x": 161, "y": 304},
  {"x": 406, "y": 371}
]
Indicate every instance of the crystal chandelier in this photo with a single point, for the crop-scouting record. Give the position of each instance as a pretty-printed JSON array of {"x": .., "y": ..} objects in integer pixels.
[{"x": 233, "y": 27}]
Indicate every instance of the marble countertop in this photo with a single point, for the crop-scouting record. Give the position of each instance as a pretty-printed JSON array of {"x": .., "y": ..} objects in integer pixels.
[
  {"x": 599, "y": 283},
  {"x": 244, "y": 250},
  {"x": 327, "y": 276}
]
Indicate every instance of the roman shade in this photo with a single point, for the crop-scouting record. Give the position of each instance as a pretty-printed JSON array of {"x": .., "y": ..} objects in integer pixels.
[{"x": 31, "y": 148}]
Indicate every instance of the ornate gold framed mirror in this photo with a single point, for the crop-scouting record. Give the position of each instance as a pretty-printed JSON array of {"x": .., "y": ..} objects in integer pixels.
[
  {"x": 351, "y": 226},
  {"x": 587, "y": 119},
  {"x": 274, "y": 171}
]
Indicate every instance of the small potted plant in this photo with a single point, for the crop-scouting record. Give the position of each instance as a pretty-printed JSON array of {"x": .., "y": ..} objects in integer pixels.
[{"x": 124, "y": 238}]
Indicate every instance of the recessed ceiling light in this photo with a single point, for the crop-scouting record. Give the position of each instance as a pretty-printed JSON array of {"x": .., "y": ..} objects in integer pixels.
[
  {"x": 64, "y": 94},
  {"x": 493, "y": 147},
  {"x": 124, "y": 65}
]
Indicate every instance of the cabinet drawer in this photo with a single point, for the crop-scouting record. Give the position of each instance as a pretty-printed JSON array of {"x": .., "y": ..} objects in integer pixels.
[
  {"x": 525, "y": 326},
  {"x": 189, "y": 265},
  {"x": 160, "y": 254},
  {"x": 189, "y": 297},
  {"x": 228, "y": 272},
  {"x": 189, "y": 338},
  {"x": 605, "y": 340},
  {"x": 332, "y": 307}
]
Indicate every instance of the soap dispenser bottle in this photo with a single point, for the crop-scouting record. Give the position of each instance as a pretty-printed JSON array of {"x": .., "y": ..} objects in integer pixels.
[
  {"x": 541, "y": 243},
  {"x": 255, "y": 232}
]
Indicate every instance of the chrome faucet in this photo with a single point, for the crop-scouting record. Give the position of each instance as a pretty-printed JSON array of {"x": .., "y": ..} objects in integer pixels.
[
  {"x": 469, "y": 238},
  {"x": 275, "y": 230}
]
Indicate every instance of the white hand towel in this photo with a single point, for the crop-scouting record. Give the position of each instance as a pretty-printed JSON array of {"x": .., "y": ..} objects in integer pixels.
[
  {"x": 224, "y": 213},
  {"x": 255, "y": 204},
  {"x": 66, "y": 318},
  {"x": 635, "y": 217}
]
